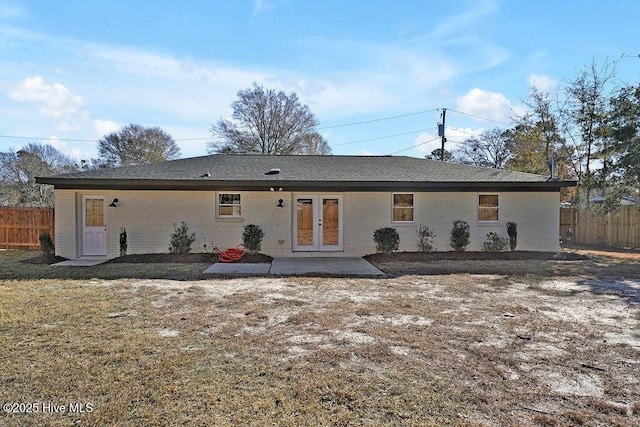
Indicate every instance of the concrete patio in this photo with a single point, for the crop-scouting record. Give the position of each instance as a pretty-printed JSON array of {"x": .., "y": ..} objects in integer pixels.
[{"x": 349, "y": 266}]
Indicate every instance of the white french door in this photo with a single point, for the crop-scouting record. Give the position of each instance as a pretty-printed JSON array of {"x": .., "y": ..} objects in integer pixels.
[
  {"x": 94, "y": 227},
  {"x": 317, "y": 223}
]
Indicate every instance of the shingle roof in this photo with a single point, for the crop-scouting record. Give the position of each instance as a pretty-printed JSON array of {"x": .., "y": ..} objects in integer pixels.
[{"x": 346, "y": 172}]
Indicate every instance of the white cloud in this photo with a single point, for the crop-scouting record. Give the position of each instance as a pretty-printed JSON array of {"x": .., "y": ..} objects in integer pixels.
[
  {"x": 425, "y": 143},
  {"x": 164, "y": 86},
  {"x": 542, "y": 83},
  {"x": 52, "y": 100},
  {"x": 104, "y": 127},
  {"x": 66, "y": 127},
  {"x": 485, "y": 104},
  {"x": 260, "y": 6},
  {"x": 464, "y": 21},
  {"x": 72, "y": 151}
]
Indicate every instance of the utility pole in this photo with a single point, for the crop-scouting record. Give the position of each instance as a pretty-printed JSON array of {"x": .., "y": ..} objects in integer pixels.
[{"x": 441, "y": 133}]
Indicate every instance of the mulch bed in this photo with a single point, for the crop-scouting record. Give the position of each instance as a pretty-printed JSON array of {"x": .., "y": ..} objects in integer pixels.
[
  {"x": 206, "y": 258},
  {"x": 475, "y": 256},
  {"x": 41, "y": 259},
  {"x": 203, "y": 258}
]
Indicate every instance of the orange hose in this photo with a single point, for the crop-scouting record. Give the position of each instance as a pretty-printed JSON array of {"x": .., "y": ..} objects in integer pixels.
[{"x": 231, "y": 254}]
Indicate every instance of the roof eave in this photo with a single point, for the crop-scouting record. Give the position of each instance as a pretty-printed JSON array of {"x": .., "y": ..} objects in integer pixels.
[{"x": 209, "y": 185}]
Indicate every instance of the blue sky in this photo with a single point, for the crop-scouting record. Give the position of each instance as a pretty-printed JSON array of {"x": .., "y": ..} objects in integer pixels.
[{"x": 72, "y": 71}]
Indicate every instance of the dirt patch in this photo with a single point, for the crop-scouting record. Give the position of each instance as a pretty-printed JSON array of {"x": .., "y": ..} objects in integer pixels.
[{"x": 604, "y": 251}]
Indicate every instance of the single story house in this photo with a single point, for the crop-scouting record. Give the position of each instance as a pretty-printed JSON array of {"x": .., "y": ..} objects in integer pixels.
[{"x": 306, "y": 205}]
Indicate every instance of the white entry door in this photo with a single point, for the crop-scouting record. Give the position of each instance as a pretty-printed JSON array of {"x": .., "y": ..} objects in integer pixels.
[
  {"x": 317, "y": 221},
  {"x": 94, "y": 227}
]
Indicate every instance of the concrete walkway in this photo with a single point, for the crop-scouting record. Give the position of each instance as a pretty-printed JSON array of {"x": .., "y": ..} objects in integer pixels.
[
  {"x": 350, "y": 266},
  {"x": 80, "y": 262},
  {"x": 238, "y": 268},
  {"x": 292, "y": 266}
]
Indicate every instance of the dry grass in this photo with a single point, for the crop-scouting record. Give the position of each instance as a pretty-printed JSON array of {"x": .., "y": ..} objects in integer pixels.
[{"x": 414, "y": 350}]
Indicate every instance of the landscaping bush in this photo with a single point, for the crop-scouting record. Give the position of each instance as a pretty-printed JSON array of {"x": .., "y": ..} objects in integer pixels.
[
  {"x": 387, "y": 240},
  {"x": 495, "y": 243},
  {"x": 181, "y": 240},
  {"x": 425, "y": 238},
  {"x": 460, "y": 235},
  {"x": 123, "y": 241},
  {"x": 512, "y": 230},
  {"x": 46, "y": 244},
  {"x": 252, "y": 238}
]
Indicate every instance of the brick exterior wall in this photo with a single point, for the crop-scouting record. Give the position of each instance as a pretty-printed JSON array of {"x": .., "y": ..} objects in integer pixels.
[{"x": 149, "y": 216}]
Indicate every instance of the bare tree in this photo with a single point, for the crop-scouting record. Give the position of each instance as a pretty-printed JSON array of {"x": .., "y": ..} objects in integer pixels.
[
  {"x": 19, "y": 169},
  {"x": 315, "y": 144},
  {"x": 584, "y": 118},
  {"x": 136, "y": 145},
  {"x": 488, "y": 150},
  {"x": 268, "y": 122}
]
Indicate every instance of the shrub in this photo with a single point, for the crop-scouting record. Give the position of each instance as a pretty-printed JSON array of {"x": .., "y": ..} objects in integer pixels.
[
  {"x": 460, "y": 235},
  {"x": 512, "y": 230},
  {"x": 123, "y": 241},
  {"x": 425, "y": 238},
  {"x": 387, "y": 240},
  {"x": 46, "y": 244},
  {"x": 181, "y": 240},
  {"x": 252, "y": 238},
  {"x": 495, "y": 243}
]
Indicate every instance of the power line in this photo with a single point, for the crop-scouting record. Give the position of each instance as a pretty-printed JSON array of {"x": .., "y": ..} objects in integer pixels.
[
  {"x": 482, "y": 118},
  {"x": 57, "y": 139},
  {"x": 382, "y": 137},
  {"x": 464, "y": 131},
  {"x": 209, "y": 138},
  {"x": 414, "y": 146},
  {"x": 378, "y": 120},
  {"x": 321, "y": 128},
  {"x": 86, "y": 140}
]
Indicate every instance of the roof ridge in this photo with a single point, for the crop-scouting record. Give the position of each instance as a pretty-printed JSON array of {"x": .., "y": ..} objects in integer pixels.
[{"x": 300, "y": 155}]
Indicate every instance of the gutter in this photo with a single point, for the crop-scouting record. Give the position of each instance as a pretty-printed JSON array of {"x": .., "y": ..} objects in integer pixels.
[{"x": 266, "y": 185}]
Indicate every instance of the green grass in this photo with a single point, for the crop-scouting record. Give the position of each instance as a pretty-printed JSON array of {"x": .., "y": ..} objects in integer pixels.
[{"x": 11, "y": 268}]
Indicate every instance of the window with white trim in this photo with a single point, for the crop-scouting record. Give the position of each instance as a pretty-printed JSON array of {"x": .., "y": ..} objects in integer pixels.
[
  {"x": 402, "y": 210},
  {"x": 488, "y": 207},
  {"x": 229, "y": 205}
]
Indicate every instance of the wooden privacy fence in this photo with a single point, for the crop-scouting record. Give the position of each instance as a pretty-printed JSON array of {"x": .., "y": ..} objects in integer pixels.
[
  {"x": 20, "y": 228},
  {"x": 618, "y": 229}
]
